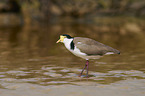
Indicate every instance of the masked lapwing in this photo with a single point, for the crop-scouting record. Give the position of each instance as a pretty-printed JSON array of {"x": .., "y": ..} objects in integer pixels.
[{"x": 86, "y": 48}]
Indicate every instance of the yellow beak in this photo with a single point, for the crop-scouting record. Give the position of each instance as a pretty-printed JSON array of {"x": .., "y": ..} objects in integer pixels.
[
  {"x": 58, "y": 41},
  {"x": 61, "y": 39}
]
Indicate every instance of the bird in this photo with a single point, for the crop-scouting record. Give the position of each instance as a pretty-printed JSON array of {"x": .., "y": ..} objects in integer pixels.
[{"x": 86, "y": 48}]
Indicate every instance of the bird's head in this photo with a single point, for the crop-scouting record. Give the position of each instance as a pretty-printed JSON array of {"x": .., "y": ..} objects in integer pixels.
[{"x": 62, "y": 37}]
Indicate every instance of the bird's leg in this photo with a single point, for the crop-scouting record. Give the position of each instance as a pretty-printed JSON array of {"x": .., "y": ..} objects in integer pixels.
[
  {"x": 86, "y": 65},
  {"x": 82, "y": 70}
]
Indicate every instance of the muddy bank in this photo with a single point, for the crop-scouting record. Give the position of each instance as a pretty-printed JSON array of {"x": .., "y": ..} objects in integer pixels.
[{"x": 123, "y": 88}]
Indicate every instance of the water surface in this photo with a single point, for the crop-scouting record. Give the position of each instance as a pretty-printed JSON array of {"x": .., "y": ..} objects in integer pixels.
[{"x": 29, "y": 54}]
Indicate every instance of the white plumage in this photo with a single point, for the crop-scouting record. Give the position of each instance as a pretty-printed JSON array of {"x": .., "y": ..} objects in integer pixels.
[{"x": 76, "y": 51}]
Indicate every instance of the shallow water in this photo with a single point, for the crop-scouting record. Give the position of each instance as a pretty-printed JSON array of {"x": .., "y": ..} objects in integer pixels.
[{"x": 30, "y": 55}]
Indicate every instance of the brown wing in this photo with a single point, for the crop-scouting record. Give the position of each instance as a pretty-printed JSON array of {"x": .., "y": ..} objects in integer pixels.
[{"x": 92, "y": 47}]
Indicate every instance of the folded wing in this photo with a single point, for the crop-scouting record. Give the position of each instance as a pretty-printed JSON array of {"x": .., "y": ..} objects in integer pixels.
[{"x": 92, "y": 47}]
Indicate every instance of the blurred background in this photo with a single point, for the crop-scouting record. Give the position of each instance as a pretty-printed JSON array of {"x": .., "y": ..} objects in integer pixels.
[{"x": 30, "y": 28}]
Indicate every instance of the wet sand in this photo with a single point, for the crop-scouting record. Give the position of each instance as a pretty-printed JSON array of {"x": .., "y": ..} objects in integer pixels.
[{"x": 128, "y": 87}]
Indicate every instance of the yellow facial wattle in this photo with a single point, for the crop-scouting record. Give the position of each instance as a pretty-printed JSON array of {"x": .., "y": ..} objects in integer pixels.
[{"x": 61, "y": 39}]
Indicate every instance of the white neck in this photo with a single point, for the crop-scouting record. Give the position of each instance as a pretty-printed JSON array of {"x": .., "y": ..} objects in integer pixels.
[
  {"x": 76, "y": 51},
  {"x": 67, "y": 42}
]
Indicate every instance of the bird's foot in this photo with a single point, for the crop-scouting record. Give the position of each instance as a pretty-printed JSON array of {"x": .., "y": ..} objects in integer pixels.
[
  {"x": 87, "y": 76},
  {"x": 80, "y": 75},
  {"x": 83, "y": 76}
]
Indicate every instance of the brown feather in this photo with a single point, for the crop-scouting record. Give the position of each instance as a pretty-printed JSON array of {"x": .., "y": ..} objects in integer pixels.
[{"x": 92, "y": 47}]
